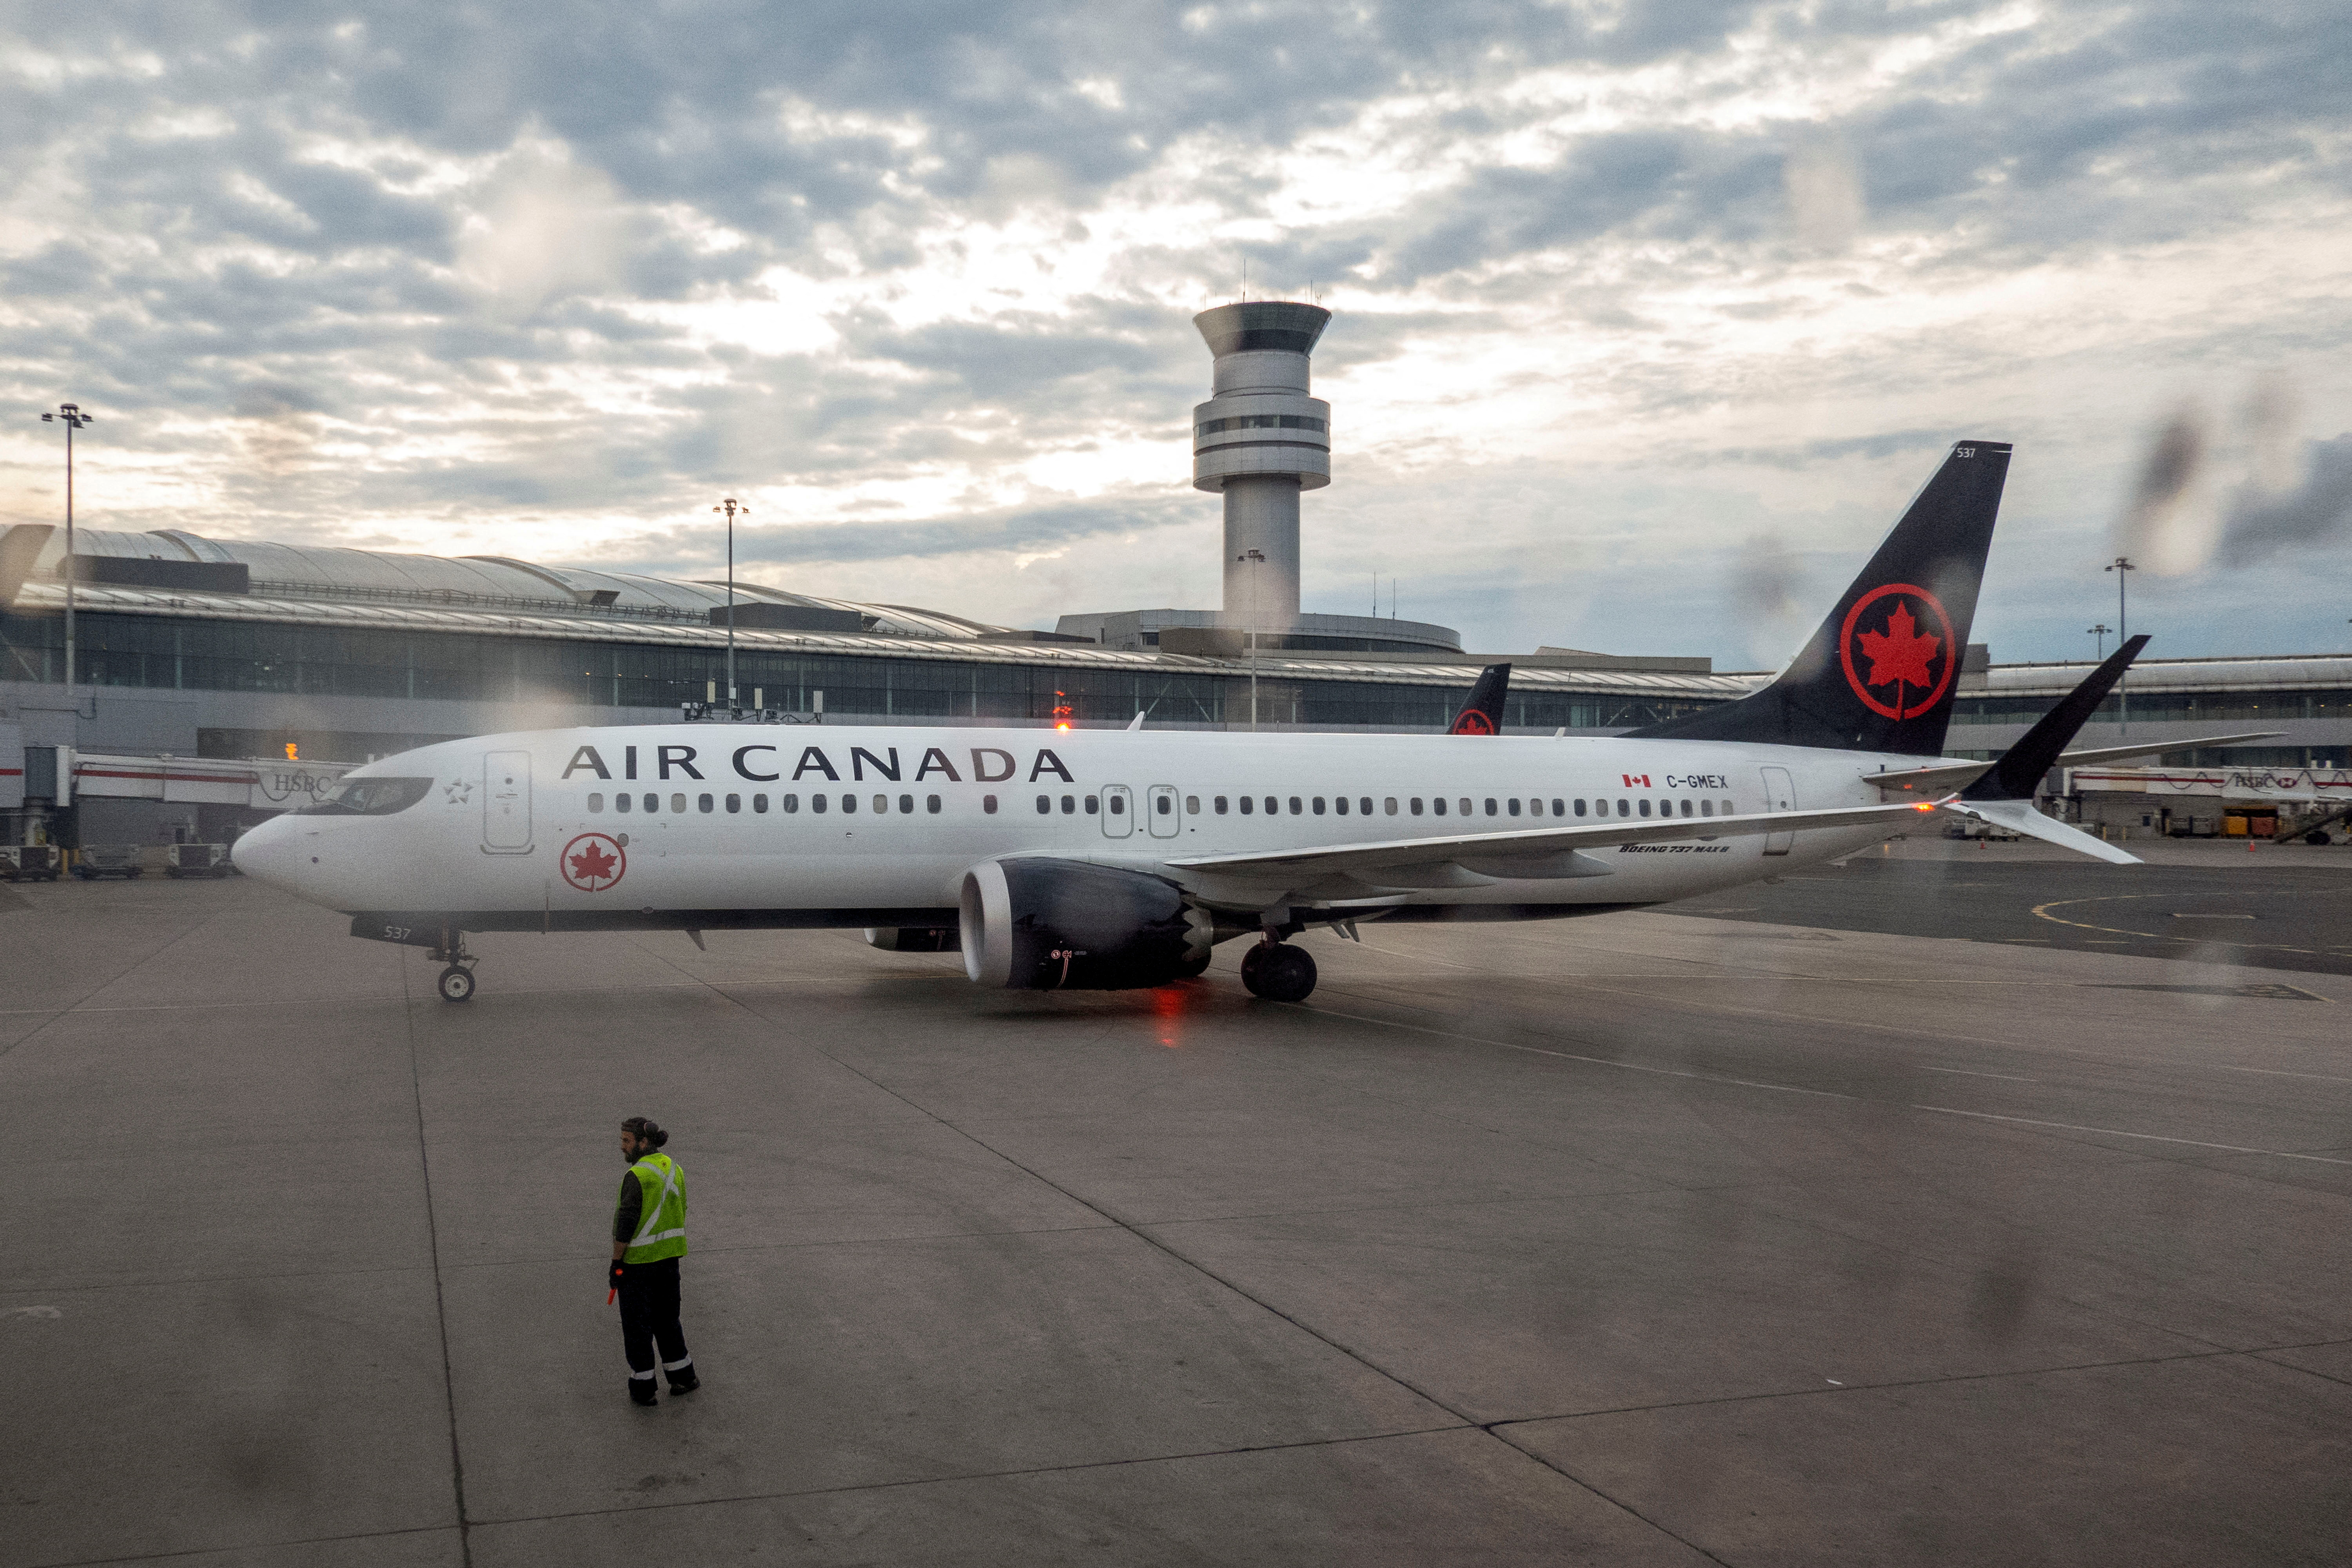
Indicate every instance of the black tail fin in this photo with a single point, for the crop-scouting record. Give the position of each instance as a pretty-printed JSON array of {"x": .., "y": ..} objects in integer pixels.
[
  {"x": 1879, "y": 675},
  {"x": 2022, "y": 766},
  {"x": 1483, "y": 714}
]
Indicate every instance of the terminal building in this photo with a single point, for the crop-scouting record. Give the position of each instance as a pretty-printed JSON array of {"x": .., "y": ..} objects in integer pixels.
[{"x": 193, "y": 647}]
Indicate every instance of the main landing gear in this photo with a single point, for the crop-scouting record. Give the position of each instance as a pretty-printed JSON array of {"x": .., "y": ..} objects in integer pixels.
[
  {"x": 1278, "y": 972},
  {"x": 457, "y": 980}
]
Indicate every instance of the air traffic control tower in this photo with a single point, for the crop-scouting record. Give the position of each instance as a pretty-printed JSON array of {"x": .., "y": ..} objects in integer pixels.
[{"x": 1260, "y": 440}]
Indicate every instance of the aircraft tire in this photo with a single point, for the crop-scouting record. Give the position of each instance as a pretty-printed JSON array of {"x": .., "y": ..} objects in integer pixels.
[
  {"x": 1279, "y": 972},
  {"x": 457, "y": 984}
]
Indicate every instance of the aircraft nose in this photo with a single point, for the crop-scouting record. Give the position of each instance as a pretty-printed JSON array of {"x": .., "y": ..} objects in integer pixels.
[{"x": 268, "y": 852}]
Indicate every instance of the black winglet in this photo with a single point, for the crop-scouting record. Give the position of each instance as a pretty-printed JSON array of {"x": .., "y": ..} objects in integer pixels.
[
  {"x": 1483, "y": 714},
  {"x": 2019, "y": 769}
]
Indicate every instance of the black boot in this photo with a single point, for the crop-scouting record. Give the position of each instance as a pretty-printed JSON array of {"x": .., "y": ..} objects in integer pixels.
[
  {"x": 641, "y": 1391},
  {"x": 683, "y": 1380}
]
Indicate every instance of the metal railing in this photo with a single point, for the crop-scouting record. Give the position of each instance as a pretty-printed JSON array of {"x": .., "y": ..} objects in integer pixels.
[{"x": 459, "y": 599}]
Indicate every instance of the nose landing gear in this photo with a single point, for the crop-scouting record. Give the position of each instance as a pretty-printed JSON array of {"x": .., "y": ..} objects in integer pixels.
[
  {"x": 1278, "y": 972},
  {"x": 456, "y": 982}
]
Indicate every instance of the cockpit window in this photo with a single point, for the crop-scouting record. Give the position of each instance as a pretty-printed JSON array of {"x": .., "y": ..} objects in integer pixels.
[{"x": 369, "y": 797}]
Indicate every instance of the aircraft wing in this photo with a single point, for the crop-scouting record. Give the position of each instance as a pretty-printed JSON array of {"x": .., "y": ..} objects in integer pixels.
[
  {"x": 1941, "y": 777},
  {"x": 1473, "y": 860}
]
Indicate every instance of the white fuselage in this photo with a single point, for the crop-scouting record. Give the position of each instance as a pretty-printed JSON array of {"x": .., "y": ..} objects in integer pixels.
[{"x": 853, "y": 825}]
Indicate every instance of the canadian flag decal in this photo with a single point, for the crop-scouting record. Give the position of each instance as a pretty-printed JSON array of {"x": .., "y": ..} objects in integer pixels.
[{"x": 1633, "y": 779}]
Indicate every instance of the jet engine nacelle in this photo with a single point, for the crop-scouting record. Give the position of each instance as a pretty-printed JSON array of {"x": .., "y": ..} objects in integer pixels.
[
  {"x": 911, "y": 939},
  {"x": 1051, "y": 925}
]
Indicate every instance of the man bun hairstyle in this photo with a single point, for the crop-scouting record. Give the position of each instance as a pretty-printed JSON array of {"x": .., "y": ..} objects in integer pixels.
[{"x": 645, "y": 1128}]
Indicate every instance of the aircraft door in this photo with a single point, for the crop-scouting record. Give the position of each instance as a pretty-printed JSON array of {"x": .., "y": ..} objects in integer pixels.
[
  {"x": 1117, "y": 811},
  {"x": 1162, "y": 819},
  {"x": 505, "y": 802},
  {"x": 1780, "y": 795}
]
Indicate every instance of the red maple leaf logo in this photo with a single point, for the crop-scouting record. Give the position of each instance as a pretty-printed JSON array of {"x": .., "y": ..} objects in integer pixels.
[
  {"x": 1900, "y": 652},
  {"x": 593, "y": 862}
]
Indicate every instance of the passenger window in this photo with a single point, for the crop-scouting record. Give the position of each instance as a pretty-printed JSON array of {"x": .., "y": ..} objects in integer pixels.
[
  {"x": 1045, "y": 804},
  {"x": 1416, "y": 804},
  {"x": 595, "y": 804},
  {"x": 1069, "y": 805},
  {"x": 791, "y": 803},
  {"x": 1687, "y": 808},
  {"x": 881, "y": 805},
  {"x": 1093, "y": 805},
  {"x": 1272, "y": 805},
  {"x": 931, "y": 804},
  {"x": 677, "y": 803},
  {"x": 1645, "y": 808},
  {"x": 1364, "y": 805},
  {"x": 849, "y": 803},
  {"x": 1706, "y": 808},
  {"x": 1248, "y": 803},
  {"x": 1164, "y": 805},
  {"x": 1388, "y": 804},
  {"x": 1624, "y": 808},
  {"x": 988, "y": 804},
  {"x": 905, "y": 804},
  {"x": 1294, "y": 806},
  {"x": 1191, "y": 805},
  {"x": 1558, "y": 807},
  {"x": 760, "y": 804},
  {"x": 1316, "y": 803},
  {"x": 1341, "y": 806},
  {"x": 1579, "y": 808},
  {"x": 1220, "y": 803},
  {"x": 1515, "y": 806},
  {"x": 705, "y": 805},
  {"x": 819, "y": 802},
  {"x": 621, "y": 802},
  {"x": 1466, "y": 806},
  {"x": 1118, "y": 804},
  {"x": 1438, "y": 805},
  {"x": 734, "y": 803}
]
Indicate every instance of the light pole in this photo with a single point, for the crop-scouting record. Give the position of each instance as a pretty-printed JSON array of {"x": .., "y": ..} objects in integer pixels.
[
  {"x": 2100, "y": 633},
  {"x": 1254, "y": 558},
  {"x": 2123, "y": 568},
  {"x": 73, "y": 419},
  {"x": 731, "y": 505}
]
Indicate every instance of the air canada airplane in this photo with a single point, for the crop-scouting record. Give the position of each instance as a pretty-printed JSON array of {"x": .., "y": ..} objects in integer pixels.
[{"x": 1108, "y": 859}]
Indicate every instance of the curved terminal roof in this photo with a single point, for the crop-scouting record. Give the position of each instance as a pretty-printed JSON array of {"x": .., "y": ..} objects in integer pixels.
[{"x": 483, "y": 582}]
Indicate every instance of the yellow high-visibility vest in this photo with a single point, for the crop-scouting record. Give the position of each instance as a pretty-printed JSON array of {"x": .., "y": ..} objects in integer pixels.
[{"x": 661, "y": 1215}]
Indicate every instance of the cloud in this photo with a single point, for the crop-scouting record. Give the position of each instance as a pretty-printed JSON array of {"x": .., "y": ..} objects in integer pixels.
[{"x": 1654, "y": 278}]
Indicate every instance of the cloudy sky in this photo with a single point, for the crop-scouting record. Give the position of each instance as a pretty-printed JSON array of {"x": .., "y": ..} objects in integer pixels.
[{"x": 1649, "y": 316}]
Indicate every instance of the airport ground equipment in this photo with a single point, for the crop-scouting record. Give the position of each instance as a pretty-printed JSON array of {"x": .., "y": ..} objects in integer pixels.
[
  {"x": 197, "y": 860},
  {"x": 29, "y": 862},
  {"x": 96, "y": 861}
]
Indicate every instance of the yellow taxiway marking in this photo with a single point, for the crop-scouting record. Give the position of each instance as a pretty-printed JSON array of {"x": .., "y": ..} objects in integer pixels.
[{"x": 2042, "y": 911}]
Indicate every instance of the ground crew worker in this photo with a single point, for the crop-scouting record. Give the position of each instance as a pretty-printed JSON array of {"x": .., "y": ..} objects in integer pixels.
[{"x": 648, "y": 1239}]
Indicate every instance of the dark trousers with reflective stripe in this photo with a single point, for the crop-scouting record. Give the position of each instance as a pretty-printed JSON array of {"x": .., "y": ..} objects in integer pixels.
[{"x": 649, "y": 1316}]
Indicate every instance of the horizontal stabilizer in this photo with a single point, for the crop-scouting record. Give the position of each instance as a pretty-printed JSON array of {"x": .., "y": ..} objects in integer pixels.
[{"x": 2020, "y": 817}]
